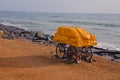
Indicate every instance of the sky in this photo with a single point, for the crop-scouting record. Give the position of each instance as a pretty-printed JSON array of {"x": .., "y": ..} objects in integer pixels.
[{"x": 62, "y": 6}]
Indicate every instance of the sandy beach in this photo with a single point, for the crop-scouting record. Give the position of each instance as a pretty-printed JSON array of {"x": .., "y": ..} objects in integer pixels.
[
  {"x": 60, "y": 40},
  {"x": 26, "y": 60}
]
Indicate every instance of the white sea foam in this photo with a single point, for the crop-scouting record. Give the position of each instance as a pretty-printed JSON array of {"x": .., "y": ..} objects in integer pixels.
[
  {"x": 108, "y": 46},
  {"x": 8, "y": 23}
]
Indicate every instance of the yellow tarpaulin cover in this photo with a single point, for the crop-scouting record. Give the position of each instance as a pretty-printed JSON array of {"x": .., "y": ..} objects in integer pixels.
[{"x": 75, "y": 36}]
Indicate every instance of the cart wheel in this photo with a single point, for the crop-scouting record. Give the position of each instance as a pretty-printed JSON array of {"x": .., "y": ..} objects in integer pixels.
[
  {"x": 60, "y": 51},
  {"x": 72, "y": 54},
  {"x": 87, "y": 54}
]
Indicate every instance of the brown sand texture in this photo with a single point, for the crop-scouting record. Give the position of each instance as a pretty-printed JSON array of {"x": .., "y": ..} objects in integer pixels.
[{"x": 26, "y": 60}]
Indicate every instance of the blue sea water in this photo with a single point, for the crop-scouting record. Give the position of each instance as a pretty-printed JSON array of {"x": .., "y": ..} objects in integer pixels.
[{"x": 105, "y": 26}]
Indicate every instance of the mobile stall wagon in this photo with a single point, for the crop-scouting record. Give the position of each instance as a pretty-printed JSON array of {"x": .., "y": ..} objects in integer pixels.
[{"x": 74, "y": 43}]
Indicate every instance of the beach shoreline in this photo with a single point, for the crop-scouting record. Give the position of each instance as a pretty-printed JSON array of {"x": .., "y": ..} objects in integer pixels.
[
  {"x": 20, "y": 58},
  {"x": 12, "y": 32}
]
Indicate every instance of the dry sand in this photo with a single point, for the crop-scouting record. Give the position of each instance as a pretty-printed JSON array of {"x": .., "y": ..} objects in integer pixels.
[{"x": 25, "y": 60}]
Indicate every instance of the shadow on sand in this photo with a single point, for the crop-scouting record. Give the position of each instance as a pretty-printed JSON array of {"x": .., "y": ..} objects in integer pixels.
[{"x": 27, "y": 61}]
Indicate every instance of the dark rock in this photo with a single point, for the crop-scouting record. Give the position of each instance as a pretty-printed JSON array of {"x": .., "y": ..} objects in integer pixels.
[
  {"x": 41, "y": 37},
  {"x": 12, "y": 32},
  {"x": 16, "y": 33},
  {"x": 116, "y": 56}
]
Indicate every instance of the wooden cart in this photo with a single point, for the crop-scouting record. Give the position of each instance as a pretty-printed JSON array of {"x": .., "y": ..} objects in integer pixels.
[{"x": 74, "y": 43}]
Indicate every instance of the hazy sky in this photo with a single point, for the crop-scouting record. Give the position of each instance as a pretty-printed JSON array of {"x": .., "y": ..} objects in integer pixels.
[{"x": 74, "y": 6}]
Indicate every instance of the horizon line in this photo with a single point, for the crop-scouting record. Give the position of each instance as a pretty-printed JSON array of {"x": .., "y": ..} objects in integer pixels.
[{"x": 61, "y": 12}]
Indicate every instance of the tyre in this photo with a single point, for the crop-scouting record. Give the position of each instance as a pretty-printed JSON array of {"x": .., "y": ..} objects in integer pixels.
[
  {"x": 60, "y": 51},
  {"x": 87, "y": 54},
  {"x": 72, "y": 54}
]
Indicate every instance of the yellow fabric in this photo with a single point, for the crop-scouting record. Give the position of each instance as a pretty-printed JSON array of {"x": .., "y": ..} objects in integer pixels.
[
  {"x": 74, "y": 36},
  {"x": 83, "y": 33},
  {"x": 70, "y": 32}
]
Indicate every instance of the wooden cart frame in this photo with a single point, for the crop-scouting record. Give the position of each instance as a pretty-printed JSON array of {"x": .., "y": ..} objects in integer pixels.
[{"x": 73, "y": 54}]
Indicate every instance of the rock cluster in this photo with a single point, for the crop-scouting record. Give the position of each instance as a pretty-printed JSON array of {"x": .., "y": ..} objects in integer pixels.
[
  {"x": 15, "y": 33},
  {"x": 12, "y": 32}
]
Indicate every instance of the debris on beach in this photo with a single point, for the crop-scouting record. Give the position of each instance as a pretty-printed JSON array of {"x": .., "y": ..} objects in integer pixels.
[{"x": 1, "y": 33}]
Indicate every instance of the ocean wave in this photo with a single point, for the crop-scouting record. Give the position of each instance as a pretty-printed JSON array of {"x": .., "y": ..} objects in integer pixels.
[
  {"x": 10, "y": 23},
  {"x": 86, "y": 23},
  {"x": 18, "y": 23},
  {"x": 108, "y": 46},
  {"x": 55, "y": 16},
  {"x": 28, "y": 23},
  {"x": 98, "y": 29},
  {"x": 62, "y": 21},
  {"x": 107, "y": 24}
]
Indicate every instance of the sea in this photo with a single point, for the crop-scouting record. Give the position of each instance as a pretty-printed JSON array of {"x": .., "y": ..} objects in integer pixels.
[{"x": 106, "y": 27}]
